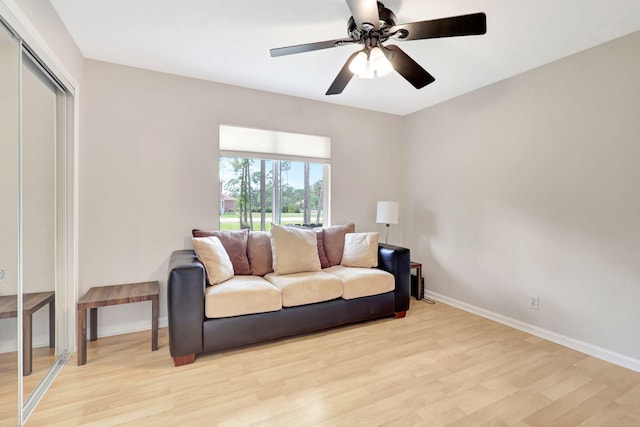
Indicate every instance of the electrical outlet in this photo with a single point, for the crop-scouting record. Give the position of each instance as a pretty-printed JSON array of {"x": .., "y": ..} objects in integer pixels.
[{"x": 534, "y": 302}]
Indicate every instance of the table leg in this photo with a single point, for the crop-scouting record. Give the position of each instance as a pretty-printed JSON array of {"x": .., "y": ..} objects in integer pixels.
[
  {"x": 82, "y": 336},
  {"x": 154, "y": 322},
  {"x": 93, "y": 335},
  {"x": 420, "y": 291},
  {"x": 52, "y": 323},
  {"x": 26, "y": 344}
]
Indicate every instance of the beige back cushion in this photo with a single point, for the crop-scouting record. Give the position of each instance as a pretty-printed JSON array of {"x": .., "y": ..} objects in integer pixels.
[
  {"x": 294, "y": 250},
  {"x": 360, "y": 250},
  {"x": 235, "y": 243},
  {"x": 214, "y": 257}
]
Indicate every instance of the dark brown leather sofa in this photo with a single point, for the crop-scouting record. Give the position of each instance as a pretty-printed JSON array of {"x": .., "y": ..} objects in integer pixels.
[{"x": 191, "y": 333}]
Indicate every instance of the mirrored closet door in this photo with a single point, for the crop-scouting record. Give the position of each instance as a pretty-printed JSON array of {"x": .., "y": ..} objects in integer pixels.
[
  {"x": 33, "y": 332},
  {"x": 9, "y": 246},
  {"x": 42, "y": 225}
]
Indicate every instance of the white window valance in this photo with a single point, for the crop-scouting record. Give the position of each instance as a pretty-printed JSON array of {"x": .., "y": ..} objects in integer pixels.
[{"x": 247, "y": 142}]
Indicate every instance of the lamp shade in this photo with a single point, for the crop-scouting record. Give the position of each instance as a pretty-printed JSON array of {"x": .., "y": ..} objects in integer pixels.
[{"x": 387, "y": 212}]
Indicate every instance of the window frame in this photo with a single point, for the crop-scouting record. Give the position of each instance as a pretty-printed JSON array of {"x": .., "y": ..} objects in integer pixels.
[{"x": 258, "y": 150}]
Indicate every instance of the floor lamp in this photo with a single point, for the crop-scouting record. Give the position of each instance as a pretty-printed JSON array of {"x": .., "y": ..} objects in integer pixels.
[{"x": 387, "y": 214}]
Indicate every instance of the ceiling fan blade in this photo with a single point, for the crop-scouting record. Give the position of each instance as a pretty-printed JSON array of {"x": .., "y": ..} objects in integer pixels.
[
  {"x": 463, "y": 25},
  {"x": 308, "y": 47},
  {"x": 408, "y": 68},
  {"x": 365, "y": 12},
  {"x": 343, "y": 77}
]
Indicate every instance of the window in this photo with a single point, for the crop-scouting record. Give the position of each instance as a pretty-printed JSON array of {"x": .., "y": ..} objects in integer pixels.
[{"x": 272, "y": 177}]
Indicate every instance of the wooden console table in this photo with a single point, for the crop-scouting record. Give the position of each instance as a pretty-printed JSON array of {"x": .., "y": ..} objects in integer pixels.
[
  {"x": 31, "y": 303},
  {"x": 102, "y": 296}
]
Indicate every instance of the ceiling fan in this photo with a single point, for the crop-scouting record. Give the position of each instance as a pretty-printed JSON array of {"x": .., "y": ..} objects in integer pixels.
[{"x": 372, "y": 24}]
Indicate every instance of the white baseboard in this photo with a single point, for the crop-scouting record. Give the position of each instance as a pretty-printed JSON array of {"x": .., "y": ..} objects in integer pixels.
[
  {"x": 581, "y": 346},
  {"x": 12, "y": 345},
  {"x": 126, "y": 328}
]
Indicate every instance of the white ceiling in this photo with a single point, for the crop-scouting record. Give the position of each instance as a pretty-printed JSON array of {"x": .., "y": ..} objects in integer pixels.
[{"x": 229, "y": 42}]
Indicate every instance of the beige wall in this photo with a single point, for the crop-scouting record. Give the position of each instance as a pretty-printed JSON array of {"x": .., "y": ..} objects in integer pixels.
[
  {"x": 525, "y": 187},
  {"x": 529, "y": 187},
  {"x": 149, "y": 165}
]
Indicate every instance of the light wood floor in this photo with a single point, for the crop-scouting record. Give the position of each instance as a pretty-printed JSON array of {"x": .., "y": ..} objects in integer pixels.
[
  {"x": 438, "y": 366},
  {"x": 43, "y": 358}
]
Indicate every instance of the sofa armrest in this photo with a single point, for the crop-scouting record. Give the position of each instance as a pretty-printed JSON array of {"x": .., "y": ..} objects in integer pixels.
[
  {"x": 397, "y": 261},
  {"x": 185, "y": 300}
]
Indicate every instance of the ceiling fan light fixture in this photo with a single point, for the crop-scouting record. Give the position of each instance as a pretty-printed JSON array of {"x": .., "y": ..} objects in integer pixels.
[
  {"x": 379, "y": 62},
  {"x": 375, "y": 64},
  {"x": 361, "y": 66}
]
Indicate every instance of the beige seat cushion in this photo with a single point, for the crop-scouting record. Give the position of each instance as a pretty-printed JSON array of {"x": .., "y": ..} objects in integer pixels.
[
  {"x": 362, "y": 282},
  {"x": 241, "y": 295},
  {"x": 306, "y": 288}
]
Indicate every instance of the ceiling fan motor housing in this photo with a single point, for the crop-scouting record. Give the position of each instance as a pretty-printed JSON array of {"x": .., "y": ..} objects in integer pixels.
[{"x": 387, "y": 20}]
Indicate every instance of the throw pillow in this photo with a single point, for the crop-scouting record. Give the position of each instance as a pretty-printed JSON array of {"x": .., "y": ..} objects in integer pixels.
[
  {"x": 334, "y": 241},
  {"x": 259, "y": 252},
  {"x": 235, "y": 243},
  {"x": 360, "y": 250},
  {"x": 294, "y": 250},
  {"x": 322, "y": 255},
  {"x": 214, "y": 257}
]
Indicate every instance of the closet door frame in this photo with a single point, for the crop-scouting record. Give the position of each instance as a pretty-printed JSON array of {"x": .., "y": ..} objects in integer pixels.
[{"x": 18, "y": 25}]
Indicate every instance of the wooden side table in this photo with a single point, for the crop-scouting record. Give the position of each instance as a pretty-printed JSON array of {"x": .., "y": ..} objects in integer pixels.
[
  {"x": 31, "y": 303},
  {"x": 102, "y": 296},
  {"x": 420, "y": 286}
]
